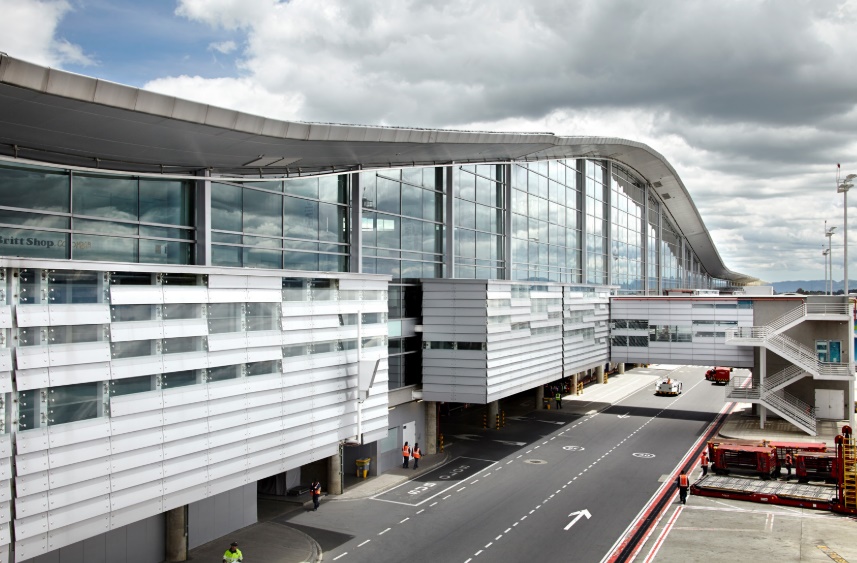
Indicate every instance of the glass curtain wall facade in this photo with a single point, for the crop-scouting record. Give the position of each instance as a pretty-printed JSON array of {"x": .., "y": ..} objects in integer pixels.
[{"x": 574, "y": 221}]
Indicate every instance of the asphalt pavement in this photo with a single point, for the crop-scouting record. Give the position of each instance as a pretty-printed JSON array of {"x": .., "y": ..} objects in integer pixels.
[{"x": 554, "y": 485}]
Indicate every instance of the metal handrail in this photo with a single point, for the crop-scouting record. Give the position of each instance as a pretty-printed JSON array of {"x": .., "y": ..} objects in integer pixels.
[
  {"x": 828, "y": 309},
  {"x": 788, "y": 318},
  {"x": 790, "y": 373},
  {"x": 794, "y": 407},
  {"x": 802, "y": 356},
  {"x": 757, "y": 333},
  {"x": 741, "y": 388}
]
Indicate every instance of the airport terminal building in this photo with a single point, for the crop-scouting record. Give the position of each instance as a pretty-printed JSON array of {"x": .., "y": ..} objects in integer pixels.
[{"x": 198, "y": 304}]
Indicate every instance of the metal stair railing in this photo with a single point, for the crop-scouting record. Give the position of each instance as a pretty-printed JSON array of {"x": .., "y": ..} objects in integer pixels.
[
  {"x": 757, "y": 333},
  {"x": 783, "y": 377},
  {"x": 752, "y": 334},
  {"x": 742, "y": 388},
  {"x": 828, "y": 309},
  {"x": 789, "y": 406},
  {"x": 787, "y": 319},
  {"x": 802, "y": 356}
]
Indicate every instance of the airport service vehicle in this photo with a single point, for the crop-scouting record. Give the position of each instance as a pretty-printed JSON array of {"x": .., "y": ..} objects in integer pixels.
[
  {"x": 718, "y": 375},
  {"x": 668, "y": 387},
  {"x": 729, "y": 458}
]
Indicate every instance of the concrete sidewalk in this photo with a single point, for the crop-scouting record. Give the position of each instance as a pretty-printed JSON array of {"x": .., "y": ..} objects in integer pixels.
[{"x": 271, "y": 541}]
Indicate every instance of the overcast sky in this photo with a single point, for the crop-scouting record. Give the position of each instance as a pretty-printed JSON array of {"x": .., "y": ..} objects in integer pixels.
[{"x": 752, "y": 102}]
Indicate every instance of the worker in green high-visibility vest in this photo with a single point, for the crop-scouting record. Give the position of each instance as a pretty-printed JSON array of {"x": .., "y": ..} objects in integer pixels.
[{"x": 558, "y": 400}]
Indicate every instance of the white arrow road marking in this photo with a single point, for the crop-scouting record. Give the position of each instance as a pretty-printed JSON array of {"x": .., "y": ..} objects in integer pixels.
[
  {"x": 510, "y": 443},
  {"x": 577, "y": 516},
  {"x": 518, "y": 418},
  {"x": 466, "y": 436}
]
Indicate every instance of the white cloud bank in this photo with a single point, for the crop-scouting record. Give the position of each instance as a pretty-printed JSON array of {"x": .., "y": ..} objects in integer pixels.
[{"x": 28, "y": 30}]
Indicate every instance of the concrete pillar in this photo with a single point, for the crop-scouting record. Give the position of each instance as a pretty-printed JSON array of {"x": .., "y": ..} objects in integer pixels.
[
  {"x": 599, "y": 374},
  {"x": 334, "y": 474},
  {"x": 540, "y": 397},
  {"x": 176, "y": 544},
  {"x": 763, "y": 415},
  {"x": 493, "y": 409},
  {"x": 621, "y": 368},
  {"x": 574, "y": 383},
  {"x": 431, "y": 427}
]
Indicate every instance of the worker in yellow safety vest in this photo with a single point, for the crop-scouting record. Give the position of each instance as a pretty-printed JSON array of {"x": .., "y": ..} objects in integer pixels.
[
  {"x": 682, "y": 483},
  {"x": 406, "y": 455},
  {"x": 233, "y": 553}
]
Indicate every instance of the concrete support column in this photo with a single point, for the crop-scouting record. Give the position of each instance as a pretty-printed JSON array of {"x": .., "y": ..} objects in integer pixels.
[
  {"x": 431, "y": 427},
  {"x": 621, "y": 368},
  {"x": 763, "y": 415},
  {"x": 574, "y": 383},
  {"x": 493, "y": 409},
  {"x": 540, "y": 397},
  {"x": 334, "y": 474},
  {"x": 763, "y": 373},
  {"x": 599, "y": 374},
  {"x": 176, "y": 544}
]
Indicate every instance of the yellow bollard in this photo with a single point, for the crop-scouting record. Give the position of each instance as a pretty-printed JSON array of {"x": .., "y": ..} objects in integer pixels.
[
  {"x": 497, "y": 421},
  {"x": 503, "y": 418},
  {"x": 441, "y": 443},
  {"x": 484, "y": 421}
]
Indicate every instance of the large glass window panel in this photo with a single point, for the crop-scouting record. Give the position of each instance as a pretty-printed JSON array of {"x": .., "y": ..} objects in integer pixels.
[
  {"x": 412, "y": 233},
  {"x": 263, "y": 316},
  {"x": 262, "y": 258},
  {"x": 465, "y": 214},
  {"x": 31, "y": 187},
  {"x": 485, "y": 218},
  {"x": 388, "y": 196},
  {"x": 262, "y": 213},
  {"x": 222, "y": 373},
  {"x": 466, "y": 243},
  {"x": 306, "y": 187},
  {"x": 104, "y": 248},
  {"x": 33, "y": 220},
  {"x": 226, "y": 255},
  {"x": 333, "y": 189},
  {"x": 432, "y": 238},
  {"x": 70, "y": 403},
  {"x": 466, "y": 188},
  {"x": 226, "y": 205},
  {"x": 264, "y": 368},
  {"x": 179, "y": 379},
  {"x": 301, "y": 218},
  {"x": 388, "y": 229},
  {"x": 105, "y": 196},
  {"x": 333, "y": 225},
  {"x": 304, "y": 261},
  {"x": 33, "y": 244},
  {"x": 168, "y": 202},
  {"x": 165, "y": 252},
  {"x": 432, "y": 205},
  {"x": 412, "y": 201},
  {"x": 105, "y": 227}
]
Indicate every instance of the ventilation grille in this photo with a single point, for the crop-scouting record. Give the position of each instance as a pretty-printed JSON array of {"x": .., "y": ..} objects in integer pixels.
[{"x": 658, "y": 185}]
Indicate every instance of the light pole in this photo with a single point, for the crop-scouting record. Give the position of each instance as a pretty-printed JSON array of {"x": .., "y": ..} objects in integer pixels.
[
  {"x": 829, "y": 233},
  {"x": 843, "y": 188},
  {"x": 825, "y": 254}
]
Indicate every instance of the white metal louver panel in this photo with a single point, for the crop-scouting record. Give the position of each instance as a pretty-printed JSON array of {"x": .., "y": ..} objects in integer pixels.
[
  {"x": 31, "y": 357},
  {"x": 186, "y": 361},
  {"x": 32, "y": 484},
  {"x": 80, "y": 353},
  {"x": 227, "y": 295},
  {"x": 264, "y": 354},
  {"x": 142, "y": 457},
  {"x": 79, "y": 314},
  {"x": 32, "y": 440},
  {"x": 136, "y": 495},
  {"x": 134, "y": 440},
  {"x": 220, "y": 281},
  {"x": 32, "y": 378},
  {"x": 227, "y": 341},
  {"x": 136, "y": 295},
  {"x": 96, "y": 487},
  {"x": 5, "y": 316},
  {"x": 81, "y": 373},
  {"x": 261, "y": 338},
  {"x": 33, "y": 462},
  {"x": 185, "y": 327},
  {"x": 185, "y": 294},
  {"x": 78, "y": 432},
  {"x": 68, "y": 534},
  {"x": 29, "y": 315},
  {"x": 133, "y": 367},
  {"x": 29, "y": 505},
  {"x": 135, "y": 422},
  {"x": 62, "y": 456},
  {"x": 136, "y": 403},
  {"x": 260, "y": 295},
  {"x": 124, "y": 516},
  {"x": 136, "y": 330},
  {"x": 77, "y": 473},
  {"x": 226, "y": 357},
  {"x": 5, "y": 359}
]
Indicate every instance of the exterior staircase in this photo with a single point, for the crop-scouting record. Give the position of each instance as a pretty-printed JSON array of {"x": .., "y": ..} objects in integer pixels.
[{"x": 772, "y": 394}]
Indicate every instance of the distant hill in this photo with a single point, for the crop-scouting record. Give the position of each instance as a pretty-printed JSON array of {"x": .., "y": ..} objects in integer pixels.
[{"x": 811, "y": 285}]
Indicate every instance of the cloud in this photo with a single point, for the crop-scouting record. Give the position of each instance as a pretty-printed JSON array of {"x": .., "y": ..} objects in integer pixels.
[
  {"x": 224, "y": 47},
  {"x": 28, "y": 31}
]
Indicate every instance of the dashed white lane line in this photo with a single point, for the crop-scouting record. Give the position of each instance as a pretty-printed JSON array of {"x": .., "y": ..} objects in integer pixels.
[
  {"x": 339, "y": 556},
  {"x": 528, "y": 451},
  {"x": 507, "y": 531},
  {"x": 405, "y": 520},
  {"x": 515, "y": 524},
  {"x": 432, "y": 504},
  {"x": 510, "y": 461},
  {"x": 520, "y": 456},
  {"x": 545, "y": 442},
  {"x": 421, "y": 511},
  {"x": 553, "y": 437},
  {"x": 531, "y": 511},
  {"x": 446, "y": 497},
  {"x": 477, "y": 553},
  {"x": 490, "y": 543},
  {"x": 537, "y": 447},
  {"x": 487, "y": 474},
  {"x": 469, "y": 560},
  {"x": 474, "y": 482},
  {"x": 364, "y": 543},
  {"x": 524, "y": 517},
  {"x": 384, "y": 532}
]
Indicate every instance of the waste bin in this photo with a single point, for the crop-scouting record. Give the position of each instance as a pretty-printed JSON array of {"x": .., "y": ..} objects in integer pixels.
[{"x": 363, "y": 466}]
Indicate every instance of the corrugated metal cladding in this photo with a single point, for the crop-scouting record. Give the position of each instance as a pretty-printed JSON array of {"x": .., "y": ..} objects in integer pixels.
[
  {"x": 678, "y": 330},
  {"x": 485, "y": 340},
  {"x": 156, "y": 450}
]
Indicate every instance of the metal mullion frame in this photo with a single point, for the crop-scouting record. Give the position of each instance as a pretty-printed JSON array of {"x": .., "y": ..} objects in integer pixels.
[
  {"x": 355, "y": 248},
  {"x": 608, "y": 211},
  {"x": 449, "y": 225},
  {"x": 507, "y": 222},
  {"x": 645, "y": 239},
  {"x": 581, "y": 184}
]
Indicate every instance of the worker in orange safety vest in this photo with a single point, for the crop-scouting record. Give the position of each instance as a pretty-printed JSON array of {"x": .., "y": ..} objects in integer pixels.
[
  {"x": 788, "y": 465},
  {"x": 703, "y": 461},
  {"x": 682, "y": 483},
  {"x": 417, "y": 455},
  {"x": 406, "y": 455}
]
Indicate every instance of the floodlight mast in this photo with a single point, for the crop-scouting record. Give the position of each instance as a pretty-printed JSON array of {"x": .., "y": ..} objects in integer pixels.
[{"x": 842, "y": 187}]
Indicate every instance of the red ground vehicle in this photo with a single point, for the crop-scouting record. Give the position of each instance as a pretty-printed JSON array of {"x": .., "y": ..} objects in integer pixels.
[
  {"x": 718, "y": 375},
  {"x": 816, "y": 466},
  {"x": 737, "y": 458},
  {"x": 794, "y": 448}
]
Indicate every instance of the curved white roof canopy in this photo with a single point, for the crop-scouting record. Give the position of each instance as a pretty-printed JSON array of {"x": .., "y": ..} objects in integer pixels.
[{"x": 60, "y": 117}]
